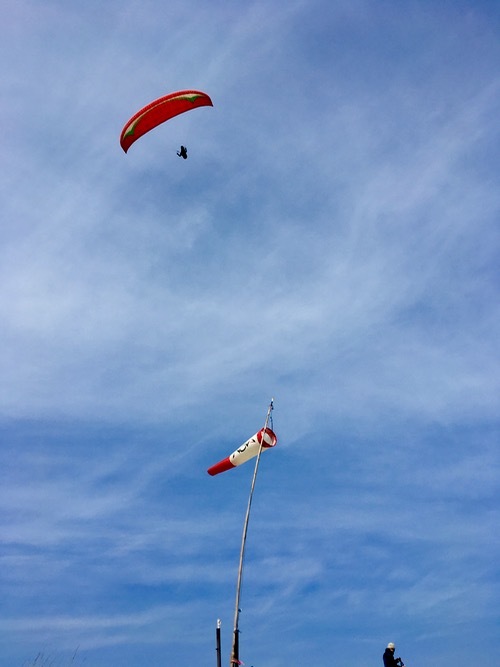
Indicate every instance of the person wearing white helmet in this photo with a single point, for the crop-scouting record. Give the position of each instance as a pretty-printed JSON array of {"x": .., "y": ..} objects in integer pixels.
[{"x": 389, "y": 659}]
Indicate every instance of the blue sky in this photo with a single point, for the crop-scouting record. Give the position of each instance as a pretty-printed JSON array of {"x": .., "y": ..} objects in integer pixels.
[{"x": 332, "y": 242}]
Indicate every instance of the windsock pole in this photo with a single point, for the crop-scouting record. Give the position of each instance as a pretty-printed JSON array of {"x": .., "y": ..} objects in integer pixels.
[{"x": 235, "y": 652}]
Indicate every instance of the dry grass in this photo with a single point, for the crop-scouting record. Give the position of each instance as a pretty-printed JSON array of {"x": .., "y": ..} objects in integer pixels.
[{"x": 44, "y": 660}]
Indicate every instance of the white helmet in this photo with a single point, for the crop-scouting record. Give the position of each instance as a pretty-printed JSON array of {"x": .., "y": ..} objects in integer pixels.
[{"x": 391, "y": 645}]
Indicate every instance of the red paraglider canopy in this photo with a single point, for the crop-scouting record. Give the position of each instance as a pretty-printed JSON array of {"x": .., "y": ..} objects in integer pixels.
[{"x": 159, "y": 111}]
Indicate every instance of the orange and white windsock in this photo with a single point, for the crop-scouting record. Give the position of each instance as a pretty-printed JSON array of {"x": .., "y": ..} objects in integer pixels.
[{"x": 247, "y": 451}]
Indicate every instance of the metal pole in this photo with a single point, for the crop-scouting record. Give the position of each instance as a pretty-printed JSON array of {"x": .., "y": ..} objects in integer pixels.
[
  {"x": 217, "y": 643},
  {"x": 235, "y": 652}
]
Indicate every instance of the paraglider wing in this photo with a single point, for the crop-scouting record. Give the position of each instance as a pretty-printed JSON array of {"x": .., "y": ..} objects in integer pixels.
[{"x": 159, "y": 111}]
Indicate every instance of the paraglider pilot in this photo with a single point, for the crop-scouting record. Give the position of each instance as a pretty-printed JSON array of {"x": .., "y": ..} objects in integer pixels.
[
  {"x": 389, "y": 659},
  {"x": 183, "y": 152}
]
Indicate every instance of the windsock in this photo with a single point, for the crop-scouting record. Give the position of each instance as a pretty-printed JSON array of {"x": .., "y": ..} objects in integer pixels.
[{"x": 247, "y": 451}]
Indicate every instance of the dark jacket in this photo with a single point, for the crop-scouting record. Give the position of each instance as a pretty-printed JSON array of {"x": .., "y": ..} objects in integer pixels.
[{"x": 390, "y": 660}]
